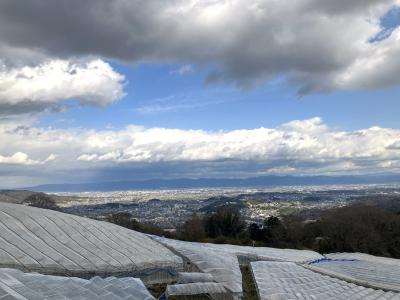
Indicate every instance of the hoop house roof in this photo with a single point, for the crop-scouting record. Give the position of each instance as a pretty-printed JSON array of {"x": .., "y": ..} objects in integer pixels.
[
  {"x": 365, "y": 257},
  {"x": 198, "y": 288},
  {"x": 15, "y": 284},
  {"x": 286, "y": 280},
  {"x": 50, "y": 242},
  {"x": 267, "y": 253},
  {"x": 367, "y": 273},
  {"x": 224, "y": 267}
]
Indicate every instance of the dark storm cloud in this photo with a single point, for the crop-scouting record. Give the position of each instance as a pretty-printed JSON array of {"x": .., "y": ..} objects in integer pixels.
[
  {"x": 344, "y": 6},
  {"x": 120, "y": 29},
  {"x": 22, "y": 108}
]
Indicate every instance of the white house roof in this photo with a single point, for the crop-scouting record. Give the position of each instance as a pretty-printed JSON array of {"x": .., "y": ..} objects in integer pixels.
[
  {"x": 287, "y": 280},
  {"x": 49, "y": 242},
  {"x": 15, "y": 284}
]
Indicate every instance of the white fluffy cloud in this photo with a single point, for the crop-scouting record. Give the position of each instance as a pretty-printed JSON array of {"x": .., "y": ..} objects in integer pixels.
[
  {"x": 375, "y": 67},
  {"x": 298, "y": 147},
  {"x": 17, "y": 158},
  {"x": 54, "y": 81},
  {"x": 20, "y": 158},
  {"x": 320, "y": 45}
]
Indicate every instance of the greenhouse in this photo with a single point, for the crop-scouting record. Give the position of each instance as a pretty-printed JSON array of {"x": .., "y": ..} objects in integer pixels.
[
  {"x": 55, "y": 243},
  {"x": 222, "y": 266},
  {"x": 246, "y": 254},
  {"x": 366, "y": 273},
  {"x": 92, "y": 257},
  {"x": 15, "y": 284},
  {"x": 194, "y": 277},
  {"x": 287, "y": 280},
  {"x": 193, "y": 290},
  {"x": 365, "y": 257}
]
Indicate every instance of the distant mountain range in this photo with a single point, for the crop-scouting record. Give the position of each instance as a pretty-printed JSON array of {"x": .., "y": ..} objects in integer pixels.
[{"x": 263, "y": 181}]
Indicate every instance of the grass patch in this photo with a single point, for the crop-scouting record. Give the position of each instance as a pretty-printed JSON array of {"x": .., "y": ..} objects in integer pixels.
[
  {"x": 249, "y": 287},
  {"x": 157, "y": 289}
]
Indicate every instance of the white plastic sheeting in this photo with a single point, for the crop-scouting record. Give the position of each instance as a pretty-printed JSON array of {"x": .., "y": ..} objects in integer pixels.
[
  {"x": 365, "y": 257},
  {"x": 257, "y": 253},
  {"x": 366, "y": 273},
  {"x": 267, "y": 253},
  {"x": 198, "y": 288},
  {"x": 50, "y": 242},
  {"x": 194, "y": 277},
  {"x": 221, "y": 260},
  {"x": 15, "y": 284},
  {"x": 287, "y": 280},
  {"x": 223, "y": 266}
]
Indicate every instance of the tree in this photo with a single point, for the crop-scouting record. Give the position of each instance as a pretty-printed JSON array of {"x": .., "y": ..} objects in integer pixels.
[
  {"x": 225, "y": 222},
  {"x": 256, "y": 232},
  {"x": 125, "y": 219},
  {"x": 276, "y": 233},
  {"x": 355, "y": 228},
  {"x": 193, "y": 229},
  {"x": 41, "y": 200}
]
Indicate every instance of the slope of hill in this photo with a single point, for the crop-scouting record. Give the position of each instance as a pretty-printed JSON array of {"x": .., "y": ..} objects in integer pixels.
[{"x": 14, "y": 196}]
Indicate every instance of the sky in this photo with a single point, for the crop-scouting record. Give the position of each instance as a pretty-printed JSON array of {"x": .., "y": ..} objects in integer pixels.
[{"x": 132, "y": 90}]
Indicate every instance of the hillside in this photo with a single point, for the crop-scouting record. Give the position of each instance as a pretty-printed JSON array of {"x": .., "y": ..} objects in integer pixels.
[
  {"x": 14, "y": 196},
  {"x": 19, "y": 196}
]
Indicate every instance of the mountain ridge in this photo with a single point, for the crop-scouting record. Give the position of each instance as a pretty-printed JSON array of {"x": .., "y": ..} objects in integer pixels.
[{"x": 261, "y": 181}]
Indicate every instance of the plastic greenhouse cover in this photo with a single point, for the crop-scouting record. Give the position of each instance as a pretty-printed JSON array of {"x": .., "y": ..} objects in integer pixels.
[
  {"x": 223, "y": 266},
  {"x": 367, "y": 273},
  {"x": 195, "y": 289},
  {"x": 365, "y": 257},
  {"x": 33, "y": 239},
  {"x": 15, "y": 284},
  {"x": 287, "y": 280},
  {"x": 194, "y": 277}
]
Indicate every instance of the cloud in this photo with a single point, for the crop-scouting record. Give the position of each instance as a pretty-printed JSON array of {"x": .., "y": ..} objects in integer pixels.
[
  {"x": 186, "y": 101},
  {"x": 25, "y": 89},
  {"x": 376, "y": 68},
  {"x": 298, "y": 147},
  {"x": 185, "y": 69},
  {"x": 18, "y": 158},
  {"x": 319, "y": 45},
  {"x": 394, "y": 146}
]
